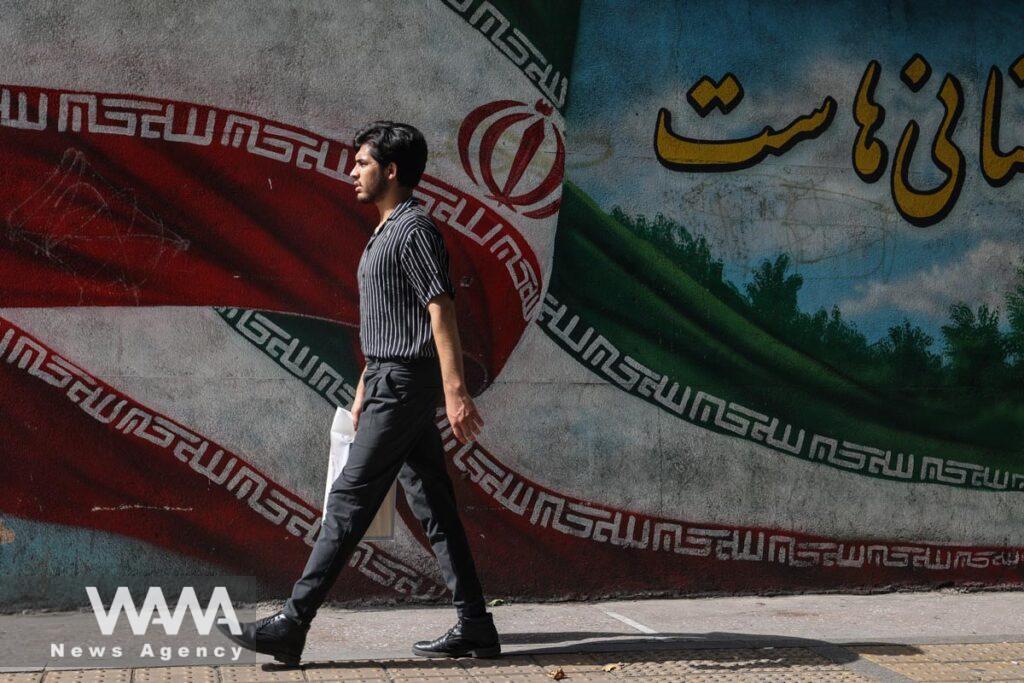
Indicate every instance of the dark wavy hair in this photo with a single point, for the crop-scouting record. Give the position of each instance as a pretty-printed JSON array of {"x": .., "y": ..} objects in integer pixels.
[{"x": 399, "y": 143}]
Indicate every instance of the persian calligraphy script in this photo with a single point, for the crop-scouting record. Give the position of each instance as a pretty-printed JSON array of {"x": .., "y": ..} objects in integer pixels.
[{"x": 921, "y": 207}]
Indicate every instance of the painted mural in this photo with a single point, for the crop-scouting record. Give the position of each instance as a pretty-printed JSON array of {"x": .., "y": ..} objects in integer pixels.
[{"x": 731, "y": 326}]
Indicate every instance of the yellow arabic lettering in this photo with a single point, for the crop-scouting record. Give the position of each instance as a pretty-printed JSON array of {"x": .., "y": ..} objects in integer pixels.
[
  {"x": 706, "y": 95},
  {"x": 916, "y": 72},
  {"x": 924, "y": 208},
  {"x": 681, "y": 153},
  {"x": 870, "y": 154},
  {"x": 998, "y": 168}
]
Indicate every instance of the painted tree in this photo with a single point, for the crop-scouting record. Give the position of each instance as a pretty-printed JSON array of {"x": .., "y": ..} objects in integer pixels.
[
  {"x": 974, "y": 346},
  {"x": 1015, "y": 313},
  {"x": 690, "y": 254},
  {"x": 772, "y": 293},
  {"x": 910, "y": 363}
]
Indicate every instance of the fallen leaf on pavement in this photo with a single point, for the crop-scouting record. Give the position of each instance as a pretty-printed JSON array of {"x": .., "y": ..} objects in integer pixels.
[
  {"x": 612, "y": 667},
  {"x": 557, "y": 674}
]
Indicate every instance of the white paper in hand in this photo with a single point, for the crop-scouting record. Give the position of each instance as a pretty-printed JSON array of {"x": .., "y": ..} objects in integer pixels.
[{"x": 343, "y": 433}]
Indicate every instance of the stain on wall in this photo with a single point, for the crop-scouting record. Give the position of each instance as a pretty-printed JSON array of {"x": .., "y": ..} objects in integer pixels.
[{"x": 6, "y": 535}]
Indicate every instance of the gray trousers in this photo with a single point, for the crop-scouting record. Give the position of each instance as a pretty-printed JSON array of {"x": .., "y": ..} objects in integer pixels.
[{"x": 397, "y": 436}]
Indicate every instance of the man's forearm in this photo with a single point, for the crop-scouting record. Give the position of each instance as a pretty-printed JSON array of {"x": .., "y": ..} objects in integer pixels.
[
  {"x": 359, "y": 388},
  {"x": 446, "y": 338},
  {"x": 463, "y": 416}
]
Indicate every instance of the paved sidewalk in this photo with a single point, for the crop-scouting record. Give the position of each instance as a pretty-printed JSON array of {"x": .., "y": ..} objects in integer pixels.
[{"x": 895, "y": 637}]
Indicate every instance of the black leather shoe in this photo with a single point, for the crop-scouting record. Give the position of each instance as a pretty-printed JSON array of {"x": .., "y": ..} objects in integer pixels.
[
  {"x": 468, "y": 638},
  {"x": 277, "y": 635}
]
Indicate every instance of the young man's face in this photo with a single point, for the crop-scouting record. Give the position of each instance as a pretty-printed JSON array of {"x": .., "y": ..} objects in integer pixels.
[{"x": 370, "y": 177}]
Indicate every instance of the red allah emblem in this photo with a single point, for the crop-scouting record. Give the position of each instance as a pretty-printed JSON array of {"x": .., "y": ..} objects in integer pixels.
[{"x": 511, "y": 116}]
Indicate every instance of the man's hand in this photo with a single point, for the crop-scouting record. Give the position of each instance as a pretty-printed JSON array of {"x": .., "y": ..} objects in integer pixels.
[
  {"x": 357, "y": 407},
  {"x": 463, "y": 416},
  {"x": 357, "y": 403}
]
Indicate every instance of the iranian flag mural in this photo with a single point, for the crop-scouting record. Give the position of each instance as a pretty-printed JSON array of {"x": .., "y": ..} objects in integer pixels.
[
  {"x": 178, "y": 275},
  {"x": 774, "y": 351}
]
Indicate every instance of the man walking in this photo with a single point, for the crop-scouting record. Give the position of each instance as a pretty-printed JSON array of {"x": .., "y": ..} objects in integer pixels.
[{"x": 410, "y": 339}]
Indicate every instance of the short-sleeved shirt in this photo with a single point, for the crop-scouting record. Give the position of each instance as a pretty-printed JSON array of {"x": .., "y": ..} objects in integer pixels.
[{"x": 404, "y": 266}]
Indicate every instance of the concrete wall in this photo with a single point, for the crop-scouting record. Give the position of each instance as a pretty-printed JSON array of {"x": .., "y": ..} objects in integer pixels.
[{"x": 732, "y": 327}]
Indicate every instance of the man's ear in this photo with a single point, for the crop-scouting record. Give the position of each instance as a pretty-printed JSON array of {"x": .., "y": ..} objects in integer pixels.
[{"x": 392, "y": 171}]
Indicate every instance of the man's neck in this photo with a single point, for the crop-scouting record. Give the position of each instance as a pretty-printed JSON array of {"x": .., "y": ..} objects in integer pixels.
[{"x": 390, "y": 201}]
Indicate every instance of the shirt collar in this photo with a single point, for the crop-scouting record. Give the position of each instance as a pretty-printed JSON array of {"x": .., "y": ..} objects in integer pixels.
[{"x": 401, "y": 208}]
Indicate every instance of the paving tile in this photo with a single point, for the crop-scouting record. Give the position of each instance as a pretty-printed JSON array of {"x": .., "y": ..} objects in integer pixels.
[
  {"x": 254, "y": 673},
  {"x": 965, "y": 652},
  {"x": 514, "y": 664},
  {"x": 957, "y": 671},
  {"x": 175, "y": 674},
  {"x": 34, "y": 677},
  {"x": 823, "y": 676},
  {"x": 974, "y": 652},
  {"x": 345, "y": 671},
  {"x": 433, "y": 677},
  {"x": 501, "y": 677},
  {"x": 578, "y": 662},
  {"x": 88, "y": 676},
  {"x": 402, "y": 669},
  {"x": 731, "y": 662},
  {"x": 889, "y": 653}
]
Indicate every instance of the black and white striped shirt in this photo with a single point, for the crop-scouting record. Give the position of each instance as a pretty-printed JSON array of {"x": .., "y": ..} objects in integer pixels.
[{"x": 404, "y": 266}]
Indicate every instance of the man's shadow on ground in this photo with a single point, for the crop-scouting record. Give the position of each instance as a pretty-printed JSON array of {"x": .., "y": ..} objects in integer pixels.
[{"x": 716, "y": 652}]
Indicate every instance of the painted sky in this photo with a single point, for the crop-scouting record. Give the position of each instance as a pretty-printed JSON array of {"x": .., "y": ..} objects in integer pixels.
[{"x": 851, "y": 246}]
